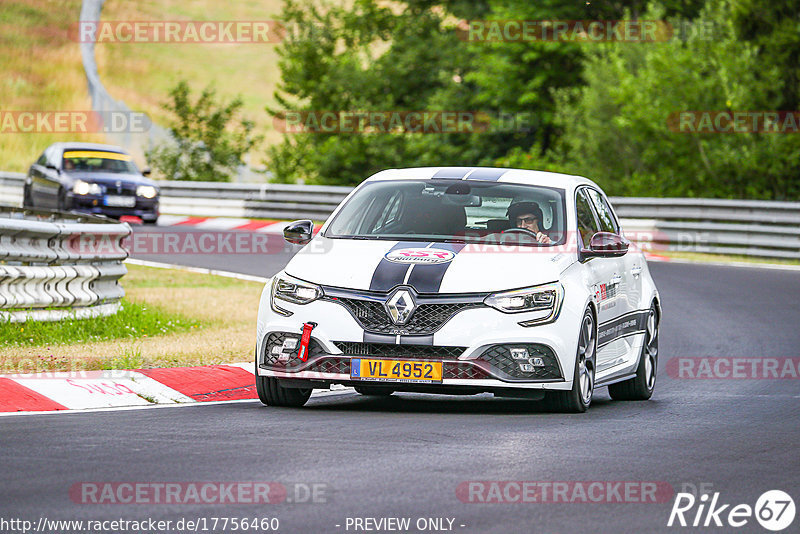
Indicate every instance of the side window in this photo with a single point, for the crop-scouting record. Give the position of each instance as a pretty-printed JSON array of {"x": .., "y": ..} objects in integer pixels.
[
  {"x": 50, "y": 157},
  {"x": 604, "y": 213},
  {"x": 587, "y": 225},
  {"x": 42, "y": 160}
]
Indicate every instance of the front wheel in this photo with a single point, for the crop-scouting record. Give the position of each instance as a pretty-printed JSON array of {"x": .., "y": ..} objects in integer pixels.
[
  {"x": 61, "y": 201},
  {"x": 578, "y": 399},
  {"x": 271, "y": 393},
  {"x": 27, "y": 198},
  {"x": 641, "y": 386}
]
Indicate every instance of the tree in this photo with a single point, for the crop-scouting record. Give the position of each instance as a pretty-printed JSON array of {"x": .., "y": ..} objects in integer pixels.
[
  {"x": 616, "y": 129},
  {"x": 208, "y": 141}
]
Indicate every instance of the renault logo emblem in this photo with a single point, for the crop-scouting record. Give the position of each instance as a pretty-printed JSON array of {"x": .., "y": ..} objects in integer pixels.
[{"x": 400, "y": 306}]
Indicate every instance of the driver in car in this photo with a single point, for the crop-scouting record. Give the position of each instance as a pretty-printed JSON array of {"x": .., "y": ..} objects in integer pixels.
[{"x": 528, "y": 216}]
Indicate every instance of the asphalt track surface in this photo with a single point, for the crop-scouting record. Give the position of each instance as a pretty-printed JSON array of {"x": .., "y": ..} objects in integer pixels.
[{"x": 406, "y": 455}]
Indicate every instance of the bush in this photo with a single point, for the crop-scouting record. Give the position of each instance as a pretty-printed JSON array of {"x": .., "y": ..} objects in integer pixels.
[{"x": 208, "y": 141}]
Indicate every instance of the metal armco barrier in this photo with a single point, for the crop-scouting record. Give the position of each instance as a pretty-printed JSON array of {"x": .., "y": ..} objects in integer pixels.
[
  {"x": 55, "y": 266},
  {"x": 266, "y": 201},
  {"x": 756, "y": 228}
]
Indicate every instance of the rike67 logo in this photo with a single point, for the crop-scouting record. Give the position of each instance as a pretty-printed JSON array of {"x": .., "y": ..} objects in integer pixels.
[{"x": 774, "y": 510}]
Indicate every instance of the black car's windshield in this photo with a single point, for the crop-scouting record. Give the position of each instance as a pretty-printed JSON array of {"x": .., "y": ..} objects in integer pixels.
[
  {"x": 449, "y": 210},
  {"x": 98, "y": 161}
]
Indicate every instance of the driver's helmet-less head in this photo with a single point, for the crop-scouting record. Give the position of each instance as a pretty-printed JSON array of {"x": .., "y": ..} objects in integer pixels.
[{"x": 517, "y": 209}]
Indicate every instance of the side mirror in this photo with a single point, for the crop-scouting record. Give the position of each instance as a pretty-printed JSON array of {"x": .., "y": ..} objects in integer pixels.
[
  {"x": 607, "y": 245},
  {"x": 299, "y": 232},
  {"x": 146, "y": 172},
  {"x": 53, "y": 167}
]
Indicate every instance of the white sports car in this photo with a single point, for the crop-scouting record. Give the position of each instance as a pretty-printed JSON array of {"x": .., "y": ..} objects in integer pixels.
[{"x": 462, "y": 280}]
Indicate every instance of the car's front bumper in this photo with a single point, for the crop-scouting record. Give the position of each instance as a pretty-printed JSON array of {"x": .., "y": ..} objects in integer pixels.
[
  {"x": 146, "y": 209},
  {"x": 473, "y": 346}
]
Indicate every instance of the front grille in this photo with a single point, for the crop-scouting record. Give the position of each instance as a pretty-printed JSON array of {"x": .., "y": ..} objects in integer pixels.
[
  {"x": 426, "y": 319},
  {"x": 499, "y": 357},
  {"x": 464, "y": 371},
  {"x": 275, "y": 360},
  {"x": 125, "y": 189},
  {"x": 387, "y": 350},
  {"x": 331, "y": 365}
]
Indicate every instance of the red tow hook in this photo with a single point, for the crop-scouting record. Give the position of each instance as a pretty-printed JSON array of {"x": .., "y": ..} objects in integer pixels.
[{"x": 302, "y": 352}]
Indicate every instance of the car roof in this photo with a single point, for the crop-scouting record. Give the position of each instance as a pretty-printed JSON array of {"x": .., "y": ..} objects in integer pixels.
[
  {"x": 88, "y": 146},
  {"x": 499, "y": 174}
]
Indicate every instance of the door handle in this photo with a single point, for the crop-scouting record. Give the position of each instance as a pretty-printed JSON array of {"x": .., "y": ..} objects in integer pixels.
[{"x": 616, "y": 279}]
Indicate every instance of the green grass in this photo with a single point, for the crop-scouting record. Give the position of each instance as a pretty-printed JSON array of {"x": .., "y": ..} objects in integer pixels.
[
  {"x": 140, "y": 277},
  {"x": 134, "y": 320}
]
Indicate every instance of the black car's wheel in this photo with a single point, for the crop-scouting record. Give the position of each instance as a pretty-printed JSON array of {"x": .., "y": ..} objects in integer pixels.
[
  {"x": 578, "y": 399},
  {"x": 374, "y": 391},
  {"x": 641, "y": 386},
  {"x": 27, "y": 198},
  {"x": 61, "y": 202}
]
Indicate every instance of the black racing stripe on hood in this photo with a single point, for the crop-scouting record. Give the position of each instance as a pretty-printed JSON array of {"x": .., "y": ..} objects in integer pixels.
[
  {"x": 389, "y": 274},
  {"x": 488, "y": 175},
  {"x": 455, "y": 173},
  {"x": 428, "y": 278}
]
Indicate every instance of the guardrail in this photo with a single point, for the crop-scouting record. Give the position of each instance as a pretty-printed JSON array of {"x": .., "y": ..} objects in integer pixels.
[
  {"x": 267, "y": 201},
  {"x": 748, "y": 227},
  {"x": 55, "y": 266}
]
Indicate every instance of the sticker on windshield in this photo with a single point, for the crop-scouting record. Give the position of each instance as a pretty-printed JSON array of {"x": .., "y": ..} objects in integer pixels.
[{"x": 419, "y": 255}]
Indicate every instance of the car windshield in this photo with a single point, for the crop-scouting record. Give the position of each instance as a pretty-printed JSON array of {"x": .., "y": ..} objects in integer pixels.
[
  {"x": 98, "y": 161},
  {"x": 448, "y": 210}
]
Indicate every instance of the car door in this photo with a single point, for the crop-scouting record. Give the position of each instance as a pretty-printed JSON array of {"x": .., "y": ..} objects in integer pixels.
[
  {"x": 606, "y": 276},
  {"x": 630, "y": 289}
]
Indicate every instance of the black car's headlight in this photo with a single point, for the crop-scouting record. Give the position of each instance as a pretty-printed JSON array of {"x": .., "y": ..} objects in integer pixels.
[
  {"x": 545, "y": 299},
  {"x": 146, "y": 191},
  {"x": 289, "y": 289},
  {"x": 85, "y": 188}
]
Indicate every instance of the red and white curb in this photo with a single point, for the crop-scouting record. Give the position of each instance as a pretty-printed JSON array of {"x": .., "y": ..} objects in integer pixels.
[{"x": 88, "y": 390}]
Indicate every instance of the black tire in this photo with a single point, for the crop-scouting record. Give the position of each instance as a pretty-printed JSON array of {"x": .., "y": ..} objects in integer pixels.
[
  {"x": 271, "y": 393},
  {"x": 641, "y": 386},
  {"x": 578, "y": 399},
  {"x": 373, "y": 391},
  {"x": 61, "y": 202},
  {"x": 27, "y": 199}
]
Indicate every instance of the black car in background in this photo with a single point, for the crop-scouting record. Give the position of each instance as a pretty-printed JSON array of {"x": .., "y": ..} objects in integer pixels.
[{"x": 91, "y": 178}]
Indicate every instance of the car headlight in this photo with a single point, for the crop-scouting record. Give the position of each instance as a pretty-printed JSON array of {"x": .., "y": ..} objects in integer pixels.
[
  {"x": 292, "y": 290},
  {"x": 146, "y": 191},
  {"x": 545, "y": 299},
  {"x": 85, "y": 188}
]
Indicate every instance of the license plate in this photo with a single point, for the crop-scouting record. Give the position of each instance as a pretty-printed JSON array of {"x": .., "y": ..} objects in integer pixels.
[
  {"x": 118, "y": 201},
  {"x": 396, "y": 370}
]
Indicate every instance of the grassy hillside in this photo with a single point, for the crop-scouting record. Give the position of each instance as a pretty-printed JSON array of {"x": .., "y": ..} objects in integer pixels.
[
  {"x": 40, "y": 66},
  {"x": 40, "y": 69}
]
